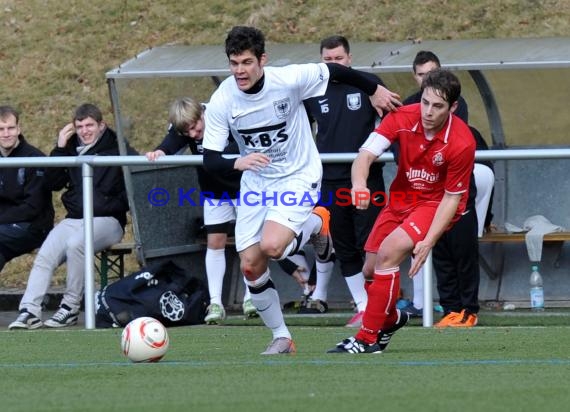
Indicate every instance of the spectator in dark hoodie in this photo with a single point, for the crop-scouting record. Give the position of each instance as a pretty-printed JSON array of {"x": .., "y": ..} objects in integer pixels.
[
  {"x": 87, "y": 135},
  {"x": 26, "y": 210}
]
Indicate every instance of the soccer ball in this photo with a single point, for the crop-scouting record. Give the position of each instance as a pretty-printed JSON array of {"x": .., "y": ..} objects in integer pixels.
[{"x": 144, "y": 340}]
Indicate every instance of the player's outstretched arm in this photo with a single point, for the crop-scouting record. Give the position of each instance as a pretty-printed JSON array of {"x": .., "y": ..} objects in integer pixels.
[
  {"x": 382, "y": 99},
  {"x": 359, "y": 176},
  {"x": 443, "y": 215}
]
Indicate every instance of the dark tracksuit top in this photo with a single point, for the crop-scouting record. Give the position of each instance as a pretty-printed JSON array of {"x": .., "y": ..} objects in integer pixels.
[
  {"x": 26, "y": 209},
  {"x": 109, "y": 193},
  {"x": 225, "y": 185},
  {"x": 24, "y": 197},
  {"x": 345, "y": 117}
]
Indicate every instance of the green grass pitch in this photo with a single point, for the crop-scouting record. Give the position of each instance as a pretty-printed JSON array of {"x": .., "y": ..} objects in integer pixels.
[{"x": 507, "y": 364}]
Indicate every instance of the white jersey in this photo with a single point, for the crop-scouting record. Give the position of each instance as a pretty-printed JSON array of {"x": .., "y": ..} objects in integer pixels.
[{"x": 273, "y": 121}]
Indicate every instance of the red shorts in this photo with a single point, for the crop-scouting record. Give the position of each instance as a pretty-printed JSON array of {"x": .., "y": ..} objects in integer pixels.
[{"x": 415, "y": 222}]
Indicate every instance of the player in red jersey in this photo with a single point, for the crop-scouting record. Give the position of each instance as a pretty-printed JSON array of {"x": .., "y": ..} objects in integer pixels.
[{"x": 437, "y": 151}]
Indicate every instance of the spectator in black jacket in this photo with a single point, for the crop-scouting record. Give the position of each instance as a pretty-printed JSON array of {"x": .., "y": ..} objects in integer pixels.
[
  {"x": 26, "y": 210},
  {"x": 86, "y": 135}
]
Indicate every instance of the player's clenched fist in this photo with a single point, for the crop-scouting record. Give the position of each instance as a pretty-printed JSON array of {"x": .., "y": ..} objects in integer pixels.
[{"x": 360, "y": 197}]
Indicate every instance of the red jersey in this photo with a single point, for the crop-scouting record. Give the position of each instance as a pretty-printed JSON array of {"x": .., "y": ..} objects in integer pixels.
[{"x": 428, "y": 168}]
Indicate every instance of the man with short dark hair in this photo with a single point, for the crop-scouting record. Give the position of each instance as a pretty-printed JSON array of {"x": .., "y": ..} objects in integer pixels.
[
  {"x": 424, "y": 62},
  {"x": 262, "y": 108},
  {"x": 456, "y": 254},
  {"x": 437, "y": 151}
]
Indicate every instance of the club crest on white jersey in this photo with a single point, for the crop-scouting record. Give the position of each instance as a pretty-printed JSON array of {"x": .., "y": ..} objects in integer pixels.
[
  {"x": 438, "y": 159},
  {"x": 282, "y": 108}
]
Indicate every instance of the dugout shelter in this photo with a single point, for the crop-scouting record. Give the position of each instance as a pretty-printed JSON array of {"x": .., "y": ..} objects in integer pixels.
[{"x": 517, "y": 92}]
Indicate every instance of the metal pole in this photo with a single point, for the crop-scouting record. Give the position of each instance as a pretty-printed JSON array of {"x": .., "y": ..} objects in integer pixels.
[
  {"x": 122, "y": 141},
  {"x": 89, "y": 252},
  {"x": 428, "y": 292}
]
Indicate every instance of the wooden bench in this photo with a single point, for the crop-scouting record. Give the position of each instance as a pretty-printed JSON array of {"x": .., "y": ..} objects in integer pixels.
[
  {"x": 494, "y": 268},
  {"x": 112, "y": 261}
]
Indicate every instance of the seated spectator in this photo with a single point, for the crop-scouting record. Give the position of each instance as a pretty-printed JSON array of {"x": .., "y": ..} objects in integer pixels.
[
  {"x": 26, "y": 210},
  {"x": 86, "y": 135}
]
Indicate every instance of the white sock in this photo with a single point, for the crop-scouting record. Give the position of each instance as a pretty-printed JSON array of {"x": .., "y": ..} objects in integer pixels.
[
  {"x": 289, "y": 249},
  {"x": 312, "y": 225},
  {"x": 215, "y": 271},
  {"x": 419, "y": 289},
  {"x": 269, "y": 307},
  {"x": 355, "y": 284},
  {"x": 246, "y": 294},
  {"x": 324, "y": 274}
]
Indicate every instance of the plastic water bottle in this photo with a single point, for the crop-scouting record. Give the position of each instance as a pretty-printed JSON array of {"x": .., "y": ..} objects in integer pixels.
[{"x": 536, "y": 291}]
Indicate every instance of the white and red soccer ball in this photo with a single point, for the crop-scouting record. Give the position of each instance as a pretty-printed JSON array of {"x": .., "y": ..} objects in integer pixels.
[{"x": 144, "y": 339}]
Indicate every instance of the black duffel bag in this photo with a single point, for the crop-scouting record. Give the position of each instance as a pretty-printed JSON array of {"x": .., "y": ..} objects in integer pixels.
[{"x": 163, "y": 291}]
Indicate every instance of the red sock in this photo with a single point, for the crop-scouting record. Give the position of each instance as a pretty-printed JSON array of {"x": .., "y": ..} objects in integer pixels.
[{"x": 381, "y": 307}]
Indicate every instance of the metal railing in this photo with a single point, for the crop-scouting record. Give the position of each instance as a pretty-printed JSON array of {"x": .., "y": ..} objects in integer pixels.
[{"x": 87, "y": 163}]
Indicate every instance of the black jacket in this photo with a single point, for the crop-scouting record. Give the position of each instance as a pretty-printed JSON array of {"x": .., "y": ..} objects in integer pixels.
[
  {"x": 221, "y": 186},
  {"x": 24, "y": 195},
  {"x": 345, "y": 117},
  {"x": 109, "y": 193}
]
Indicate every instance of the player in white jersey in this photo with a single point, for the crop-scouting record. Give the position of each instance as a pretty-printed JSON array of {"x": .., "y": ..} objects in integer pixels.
[{"x": 262, "y": 108}]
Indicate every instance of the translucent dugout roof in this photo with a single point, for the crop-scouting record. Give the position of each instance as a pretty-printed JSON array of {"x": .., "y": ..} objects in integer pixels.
[{"x": 480, "y": 54}]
